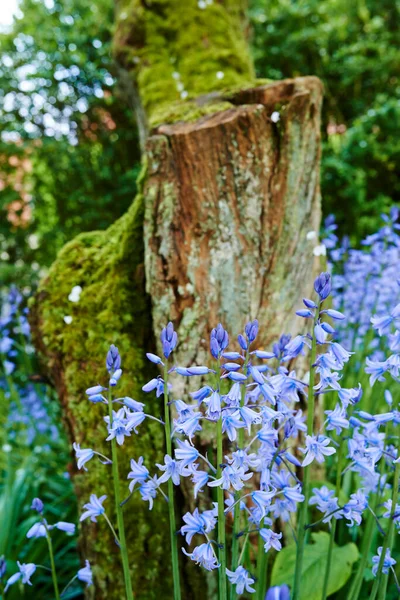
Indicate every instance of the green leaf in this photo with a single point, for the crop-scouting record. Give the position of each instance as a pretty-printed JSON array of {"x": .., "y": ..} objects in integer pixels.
[{"x": 314, "y": 564}]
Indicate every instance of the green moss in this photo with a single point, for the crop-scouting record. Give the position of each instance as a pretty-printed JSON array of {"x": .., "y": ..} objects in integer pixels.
[
  {"x": 177, "y": 52},
  {"x": 113, "y": 308}
]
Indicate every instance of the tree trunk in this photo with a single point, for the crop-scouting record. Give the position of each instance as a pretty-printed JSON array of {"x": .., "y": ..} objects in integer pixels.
[{"x": 227, "y": 195}]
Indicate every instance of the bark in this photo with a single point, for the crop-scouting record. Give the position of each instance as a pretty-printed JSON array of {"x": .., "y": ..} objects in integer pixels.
[{"x": 226, "y": 197}]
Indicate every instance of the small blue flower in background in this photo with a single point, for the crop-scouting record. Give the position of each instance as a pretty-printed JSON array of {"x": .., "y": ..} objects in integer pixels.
[
  {"x": 241, "y": 579},
  {"x": 94, "y": 508},
  {"x": 278, "y": 592},
  {"x": 85, "y": 574},
  {"x": 387, "y": 563},
  {"x": 37, "y": 505}
]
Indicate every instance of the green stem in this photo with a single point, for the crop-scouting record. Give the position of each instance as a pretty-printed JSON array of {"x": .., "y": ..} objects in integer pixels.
[
  {"x": 381, "y": 581},
  {"x": 261, "y": 567},
  {"x": 236, "y": 509},
  {"x": 221, "y": 518},
  {"x": 333, "y": 527},
  {"x": 52, "y": 563},
  {"x": 171, "y": 502},
  {"x": 301, "y": 531},
  {"x": 118, "y": 508}
]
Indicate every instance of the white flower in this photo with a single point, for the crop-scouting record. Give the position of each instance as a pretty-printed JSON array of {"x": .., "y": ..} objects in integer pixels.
[
  {"x": 275, "y": 117},
  {"x": 75, "y": 294},
  {"x": 68, "y": 319}
]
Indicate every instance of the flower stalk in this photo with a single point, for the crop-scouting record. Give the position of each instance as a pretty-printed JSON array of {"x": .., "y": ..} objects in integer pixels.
[
  {"x": 301, "y": 529},
  {"x": 171, "y": 503},
  {"x": 118, "y": 508}
]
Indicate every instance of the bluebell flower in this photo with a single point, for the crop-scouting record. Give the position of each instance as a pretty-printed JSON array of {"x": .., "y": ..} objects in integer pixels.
[
  {"x": 138, "y": 473},
  {"x": 251, "y": 330},
  {"x": 37, "y": 505},
  {"x": 169, "y": 339},
  {"x": 189, "y": 426},
  {"x": 3, "y": 567},
  {"x": 249, "y": 416},
  {"x": 204, "y": 556},
  {"x": 26, "y": 570},
  {"x": 115, "y": 377},
  {"x": 148, "y": 490},
  {"x": 171, "y": 470},
  {"x": 133, "y": 420},
  {"x": 271, "y": 539},
  {"x": 85, "y": 574},
  {"x": 241, "y": 579},
  {"x": 278, "y": 592},
  {"x": 154, "y": 358},
  {"x": 387, "y": 563},
  {"x": 230, "y": 423},
  {"x": 323, "y": 285},
  {"x": 197, "y": 522},
  {"x": 219, "y": 340},
  {"x": 200, "y": 479},
  {"x": 336, "y": 419},
  {"x": 317, "y": 447},
  {"x": 354, "y": 508},
  {"x": 95, "y": 395},
  {"x": 118, "y": 428},
  {"x": 262, "y": 499},
  {"x": 94, "y": 508},
  {"x": 64, "y": 526},
  {"x": 263, "y": 355},
  {"x": 214, "y": 406},
  {"x": 37, "y": 530},
  {"x": 294, "y": 348},
  {"x": 231, "y": 476},
  {"x": 83, "y": 455},
  {"x": 334, "y": 314},
  {"x": 231, "y": 366},
  {"x": 113, "y": 359},
  {"x": 350, "y": 396},
  {"x": 186, "y": 453},
  {"x": 202, "y": 393},
  {"x": 376, "y": 370},
  {"x": 133, "y": 405}
]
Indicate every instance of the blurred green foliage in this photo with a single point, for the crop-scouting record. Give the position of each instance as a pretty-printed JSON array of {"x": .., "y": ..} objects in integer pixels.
[
  {"x": 68, "y": 142},
  {"x": 353, "y": 47},
  {"x": 62, "y": 111}
]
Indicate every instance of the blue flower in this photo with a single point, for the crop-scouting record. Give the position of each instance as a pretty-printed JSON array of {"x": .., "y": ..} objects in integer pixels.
[
  {"x": 204, "y": 556},
  {"x": 139, "y": 473},
  {"x": 83, "y": 455},
  {"x": 214, "y": 406},
  {"x": 336, "y": 419},
  {"x": 323, "y": 285},
  {"x": 197, "y": 523},
  {"x": 25, "y": 572},
  {"x": 85, "y": 574},
  {"x": 148, "y": 490},
  {"x": 230, "y": 423},
  {"x": 186, "y": 453},
  {"x": 278, "y": 592},
  {"x": 37, "y": 505},
  {"x": 241, "y": 579},
  {"x": 354, "y": 508},
  {"x": 271, "y": 539},
  {"x": 231, "y": 476},
  {"x": 387, "y": 563},
  {"x": 169, "y": 339},
  {"x": 317, "y": 447},
  {"x": 219, "y": 340},
  {"x": 376, "y": 370},
  {"x": 37, "y": 530},
  {"x": 113, "y": 359},
  {"x": 262, "y": 499},
  {"x": 94, "y": 508},
  {"x": 171, "y": 470}
]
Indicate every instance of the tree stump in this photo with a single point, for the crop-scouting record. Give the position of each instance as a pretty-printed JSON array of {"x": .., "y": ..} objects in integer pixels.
[{"x": 227, "y": 195}]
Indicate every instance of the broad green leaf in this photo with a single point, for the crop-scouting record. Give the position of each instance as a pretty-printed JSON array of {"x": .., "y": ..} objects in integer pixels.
[{"x": 314, "y": 563}]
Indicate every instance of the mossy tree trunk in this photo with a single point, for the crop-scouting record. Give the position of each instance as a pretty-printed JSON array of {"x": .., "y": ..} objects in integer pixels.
[{"x": 217, "y": 232}]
